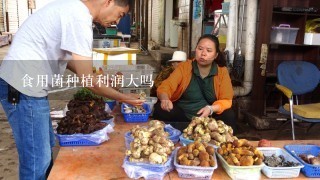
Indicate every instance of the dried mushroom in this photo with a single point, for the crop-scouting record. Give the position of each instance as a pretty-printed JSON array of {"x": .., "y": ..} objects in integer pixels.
[
  {"x": 240, "y": 153},
  {"x": 196, "y": 154},
  {"x": 310, "y": 159},
  {"x": 84, "y": 114},
  {"x": 278, "y": 161},
  {"x": 134, "y": 109}
]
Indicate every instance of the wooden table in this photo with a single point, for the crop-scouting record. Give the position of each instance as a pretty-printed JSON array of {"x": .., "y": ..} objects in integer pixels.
[{"x": 105, "y": 161}]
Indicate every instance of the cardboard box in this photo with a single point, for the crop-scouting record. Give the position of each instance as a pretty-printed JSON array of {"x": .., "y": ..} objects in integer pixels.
[
  {"x": 106, "y": 43},
  {"x": 114, "y": 56}
]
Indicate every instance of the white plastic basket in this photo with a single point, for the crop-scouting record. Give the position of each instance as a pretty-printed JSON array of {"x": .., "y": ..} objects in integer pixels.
[
  {"x": 280, "y": 172},
  {"x": 241, "y": 172},
  {"x": 133, "y": 75},
  {"x": 194, "y": 172}
]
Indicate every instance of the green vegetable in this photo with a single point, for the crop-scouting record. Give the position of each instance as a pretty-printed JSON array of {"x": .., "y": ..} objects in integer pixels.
[
  {"x": 85, "y": 94},
  {"x": 312, "y": 25}
]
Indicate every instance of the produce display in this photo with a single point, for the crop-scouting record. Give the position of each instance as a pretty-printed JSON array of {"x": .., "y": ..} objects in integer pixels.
[
  {"x": 150, "y": 144},
  {"x": 134, "y": 109},
  {"x": 142, "y": 95},
  {"x": 310, "y": 159},
  {"x": 240, "y": 153},
  {"x": 196, "y": 154},
  {"x": 84, "y": 114},
  {"x": 278, "y": 161},
  {"x": 207, "y": 129}
]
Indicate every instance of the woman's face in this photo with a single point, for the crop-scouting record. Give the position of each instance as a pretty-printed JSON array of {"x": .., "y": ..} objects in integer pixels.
[{"x": 206, "y": 52}]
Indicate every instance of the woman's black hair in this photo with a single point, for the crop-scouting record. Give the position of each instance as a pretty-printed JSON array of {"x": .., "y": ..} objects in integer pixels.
[{"x": 220, "y": 60}]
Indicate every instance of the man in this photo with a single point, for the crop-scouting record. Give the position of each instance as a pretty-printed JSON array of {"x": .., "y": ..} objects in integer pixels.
[
  {"x": 177, "y": 58},
  {"x": 56, "y": 37}
]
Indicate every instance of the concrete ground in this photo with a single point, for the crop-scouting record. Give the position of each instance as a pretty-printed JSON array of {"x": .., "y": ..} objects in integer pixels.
[{"x": 9, "y": 156}]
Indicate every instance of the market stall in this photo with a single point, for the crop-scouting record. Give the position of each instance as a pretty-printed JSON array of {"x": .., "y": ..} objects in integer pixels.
[{"x": 105, "y": 161}]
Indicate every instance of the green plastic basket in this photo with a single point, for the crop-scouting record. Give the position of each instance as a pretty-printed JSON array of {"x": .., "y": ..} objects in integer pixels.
[{"x": 111, "y": 31}]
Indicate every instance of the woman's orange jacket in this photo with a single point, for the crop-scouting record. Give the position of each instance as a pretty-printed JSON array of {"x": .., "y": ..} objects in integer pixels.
[{"x": 180, "y": 78}]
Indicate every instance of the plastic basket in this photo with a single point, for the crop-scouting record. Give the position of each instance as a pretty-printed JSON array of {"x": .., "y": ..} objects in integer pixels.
[
  {"x": 194, "y": 172},
  {"x": 283, "y": 34},
  {"x": 136, "y": 117},
  {"x": 225, "y": 7},
  {"x": 147, "y": 170},
  {"x": 173, "y": 135},
  {"x": 111, "y": 31},
  {"x": 241, "y": 172},
  {"x": 138, "y": 75},
  {"x": 92, "y": 139},
  {"x": 280, "y": 172},
  {"x": 308, "y": 169}
]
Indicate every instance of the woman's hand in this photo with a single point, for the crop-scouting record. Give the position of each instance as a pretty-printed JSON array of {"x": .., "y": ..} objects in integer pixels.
[
  {"x": 205, "y": 111},
  {"x": 134, "y": 102},
  {"x": 133, "y": 99},
  {"x": 166, "y": 105}
]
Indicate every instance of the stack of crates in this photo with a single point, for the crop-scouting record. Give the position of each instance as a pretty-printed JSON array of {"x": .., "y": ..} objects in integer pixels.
[
  {"x": 225, "y": 7},
  {"x": 136, "y": 78}
]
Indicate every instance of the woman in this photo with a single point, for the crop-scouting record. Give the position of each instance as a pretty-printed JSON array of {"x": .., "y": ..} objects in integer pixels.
[
  {"x": 200, "y": 87},
  {"x": 177, "y": 58}
]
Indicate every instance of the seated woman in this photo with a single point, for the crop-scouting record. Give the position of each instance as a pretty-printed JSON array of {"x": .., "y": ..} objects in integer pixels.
[
  {"x": 177, "y": 57},
  {"x": 200, "y": 87}
]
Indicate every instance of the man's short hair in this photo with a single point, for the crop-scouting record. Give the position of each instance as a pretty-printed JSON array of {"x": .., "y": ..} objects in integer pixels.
[{"x": 122, "y": 3}]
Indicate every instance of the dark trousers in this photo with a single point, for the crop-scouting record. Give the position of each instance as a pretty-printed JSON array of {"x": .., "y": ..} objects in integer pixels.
[{"x": 176, "y": 117}]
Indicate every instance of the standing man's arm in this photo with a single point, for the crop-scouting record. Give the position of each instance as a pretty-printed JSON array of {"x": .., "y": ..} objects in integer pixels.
[{"x": 82, "y": 66}]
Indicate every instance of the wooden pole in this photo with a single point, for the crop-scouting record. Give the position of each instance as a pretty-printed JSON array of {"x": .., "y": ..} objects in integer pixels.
[{"x": 146, "y": 24}]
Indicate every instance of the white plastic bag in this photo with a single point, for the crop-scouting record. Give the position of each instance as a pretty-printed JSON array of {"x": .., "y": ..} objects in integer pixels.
[
  {"x": 146, "y": 170},
  {"x": 96, "y": 137}
]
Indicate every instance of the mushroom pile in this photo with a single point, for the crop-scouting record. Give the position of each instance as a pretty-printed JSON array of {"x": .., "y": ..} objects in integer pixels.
[
  {"x": 196, "y": 154},
  {"x": 240, "y": 153},
  {"x": 84, "y": 114},
  {"x": 150, "y": 144},
  {"x": 207, "y": 129}
]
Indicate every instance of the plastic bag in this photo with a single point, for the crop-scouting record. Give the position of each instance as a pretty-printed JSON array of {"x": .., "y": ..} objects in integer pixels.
[
  {"x": 184, "y": 141},
  {"x": 147, "y": 170},
  {"x": 110, "y": 122},
  {"x": 94, "y": 138},
  {"x": 173, "y": 135}
]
